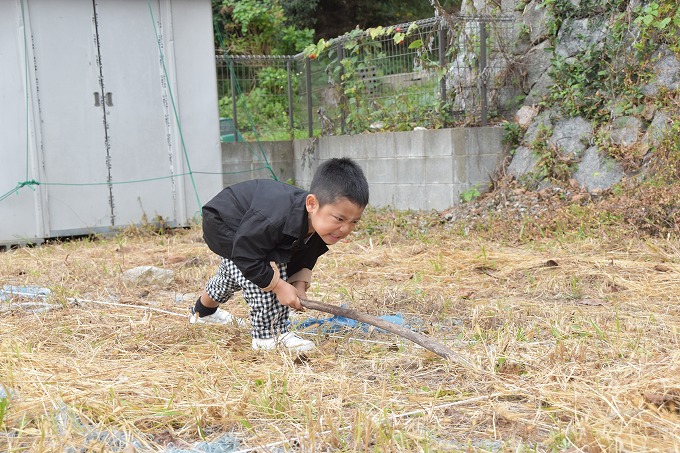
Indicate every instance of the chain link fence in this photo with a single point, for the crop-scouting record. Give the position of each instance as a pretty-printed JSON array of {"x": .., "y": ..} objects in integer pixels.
[{"x": 430, "y": 73}]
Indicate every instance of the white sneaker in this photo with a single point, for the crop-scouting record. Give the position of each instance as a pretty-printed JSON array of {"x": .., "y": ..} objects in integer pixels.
[
  {"x": 288, "y": 340},
  {"x": 219, "y": 317}
]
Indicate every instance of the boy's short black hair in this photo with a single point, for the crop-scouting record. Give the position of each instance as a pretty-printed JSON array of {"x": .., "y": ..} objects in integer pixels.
[{"x": 340, "y": 177}]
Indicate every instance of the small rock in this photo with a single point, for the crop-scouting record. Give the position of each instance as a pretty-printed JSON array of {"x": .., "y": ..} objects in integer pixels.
[
  {"x": 666, "y": 72},
  {"x": 535, "y": 19},
  {"x": 523, "y": 162},
  {"x": 148, "y": 275},
  {"x": 625, "y": 130},
  {"x": 596, "y": 171},
  {"x": 571, "y": 135},
  {"x": 661, "y": 125},
  {"x": 576, "y": 35},
  {"x": 525, "y": 115}
]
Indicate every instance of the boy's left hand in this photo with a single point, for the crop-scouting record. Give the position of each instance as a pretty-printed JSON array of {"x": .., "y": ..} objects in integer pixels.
[{"x": 301, "y": 288}]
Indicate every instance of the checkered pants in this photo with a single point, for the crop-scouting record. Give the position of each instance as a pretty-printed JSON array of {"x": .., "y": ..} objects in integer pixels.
[{"x": 268, "y": 317}]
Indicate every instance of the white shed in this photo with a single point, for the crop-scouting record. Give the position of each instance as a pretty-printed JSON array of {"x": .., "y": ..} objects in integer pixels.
[{"x": 108, "y": 115}]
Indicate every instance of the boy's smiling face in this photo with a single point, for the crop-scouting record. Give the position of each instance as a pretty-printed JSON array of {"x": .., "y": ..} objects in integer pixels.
[{"x": 333, "y": 221}]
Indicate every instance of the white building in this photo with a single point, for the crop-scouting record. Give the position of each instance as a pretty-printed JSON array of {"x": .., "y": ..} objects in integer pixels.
[{"x": 108, "y": 115}]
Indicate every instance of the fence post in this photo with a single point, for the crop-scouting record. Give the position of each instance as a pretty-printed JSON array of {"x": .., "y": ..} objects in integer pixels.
[
  {"x": 290, "y": 101},
  {"x": 308, "y": 80},
  {"x": 482, "y": 69},
  {"x": 341, "y": 84},
  {"x": 443, "y": 44},
  {"x": 232, "y": 85}
]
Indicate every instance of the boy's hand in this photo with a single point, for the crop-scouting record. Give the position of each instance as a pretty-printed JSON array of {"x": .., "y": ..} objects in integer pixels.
[
  {"x": 301, "y": 288},
  {"x": 287, "y": 294}
]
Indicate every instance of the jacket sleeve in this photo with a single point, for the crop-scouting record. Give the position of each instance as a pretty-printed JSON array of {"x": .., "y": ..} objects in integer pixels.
[{"x": 253, "y": 241}]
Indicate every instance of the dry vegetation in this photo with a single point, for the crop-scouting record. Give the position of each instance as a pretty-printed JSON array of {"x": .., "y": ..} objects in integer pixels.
[{"x": 573, "y": 340}]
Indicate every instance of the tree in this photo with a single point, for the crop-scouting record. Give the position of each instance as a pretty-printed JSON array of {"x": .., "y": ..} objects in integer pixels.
[
  {"x": 284, "y": 27},
  {"x": 256, "y": 27},
  {"x": 300, "y": 13},
  {"x": 336, "y": 17}
]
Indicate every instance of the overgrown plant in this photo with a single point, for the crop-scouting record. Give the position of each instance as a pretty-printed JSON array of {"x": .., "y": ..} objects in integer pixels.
[
  {"x": 264, "y": 107},
  {"x": 551, "y": 164},
  {"x": 512, "y": 134},
  {"x": 658, "y": 21},
  {"x": 400, "y": 110},
  {"x": 469, "y": 195},
  {"x": 605, "y": 77},
  {"x": 256, "y": 27}
]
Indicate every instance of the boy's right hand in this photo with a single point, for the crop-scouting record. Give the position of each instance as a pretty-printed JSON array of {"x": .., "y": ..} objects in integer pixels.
[{"x": 288, "y": 295}]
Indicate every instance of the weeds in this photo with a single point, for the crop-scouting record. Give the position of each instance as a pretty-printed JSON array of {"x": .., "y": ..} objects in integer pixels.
[{"x": 4, "y": 403}]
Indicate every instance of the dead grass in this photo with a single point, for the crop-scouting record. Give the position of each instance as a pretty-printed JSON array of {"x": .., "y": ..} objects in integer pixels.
[{"x": 575, "y": 346}]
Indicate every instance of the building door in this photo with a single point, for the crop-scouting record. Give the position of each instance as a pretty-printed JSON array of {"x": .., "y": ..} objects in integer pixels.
[
  {"x": 138, "y": 111},
  {"x": 106, "y": 128},
  {"x": 72, "y": 130}
]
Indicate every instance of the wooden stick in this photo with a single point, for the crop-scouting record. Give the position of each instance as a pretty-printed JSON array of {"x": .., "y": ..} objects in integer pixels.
[{"x": 415, "y": 337}]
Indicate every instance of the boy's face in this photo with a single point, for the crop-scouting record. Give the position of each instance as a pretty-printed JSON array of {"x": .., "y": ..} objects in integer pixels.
[{"x": 333, "y": 221}]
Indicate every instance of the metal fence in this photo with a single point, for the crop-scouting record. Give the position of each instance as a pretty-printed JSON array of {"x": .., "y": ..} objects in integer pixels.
[{"x": 440, "y": 74}]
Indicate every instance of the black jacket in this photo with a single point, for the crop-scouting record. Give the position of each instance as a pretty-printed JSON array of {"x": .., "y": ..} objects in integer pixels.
[{"x": 257, "y": 222}]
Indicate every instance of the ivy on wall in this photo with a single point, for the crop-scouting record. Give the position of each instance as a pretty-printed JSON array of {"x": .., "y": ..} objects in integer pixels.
[{"x": 606, "y": 76}]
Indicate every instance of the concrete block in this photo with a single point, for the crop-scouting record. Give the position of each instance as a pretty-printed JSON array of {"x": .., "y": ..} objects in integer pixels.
[
  {"x": 458, "y": 142},
  {"x": 243, "y": 161},
  {"x": 437, "y": 170},
  {"x": 410, "y": 171},
  {"x": 484, "y": 140},
  {"x": 437, "y": 143},
  {"x": 421, "y": 196},
  {"x": 459, "y": 167},
  {"x": 481, "y": 168},
  {"x": 412, "y": 144},
  {"x": 379, "y": 145},
  {"x": 408, "y": 195},
  {"x": 305, "y": 161},
  {"x": 353, "y": 146},
  {"x": 383, "y": 170},
  {"x": 382, "y": 194},
  {"x": 438, "y": 196},
  {"x": 457, "y": 190}
]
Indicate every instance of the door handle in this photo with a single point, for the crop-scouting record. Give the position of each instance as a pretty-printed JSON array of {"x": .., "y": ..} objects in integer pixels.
[
  {"x": 97, "y": 101},
  {"x": 109, "y": 99}
]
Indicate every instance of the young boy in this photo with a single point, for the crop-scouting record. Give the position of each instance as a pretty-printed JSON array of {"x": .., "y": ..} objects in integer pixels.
[{"x": 269, "y": 235}]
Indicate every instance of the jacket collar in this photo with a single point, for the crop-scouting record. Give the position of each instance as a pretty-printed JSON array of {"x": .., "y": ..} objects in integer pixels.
[{"x": 297, "y": 222}]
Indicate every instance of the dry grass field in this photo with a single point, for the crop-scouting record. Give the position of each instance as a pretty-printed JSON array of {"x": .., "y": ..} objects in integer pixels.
[{"x": 570, "y": 342}]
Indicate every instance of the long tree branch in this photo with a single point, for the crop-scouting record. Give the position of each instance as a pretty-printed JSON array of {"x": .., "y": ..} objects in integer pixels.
[{"x": 415, "y": 337}]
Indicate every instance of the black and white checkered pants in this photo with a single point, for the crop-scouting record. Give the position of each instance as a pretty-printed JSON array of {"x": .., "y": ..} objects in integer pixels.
[{"x": 268, "y": 317}]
